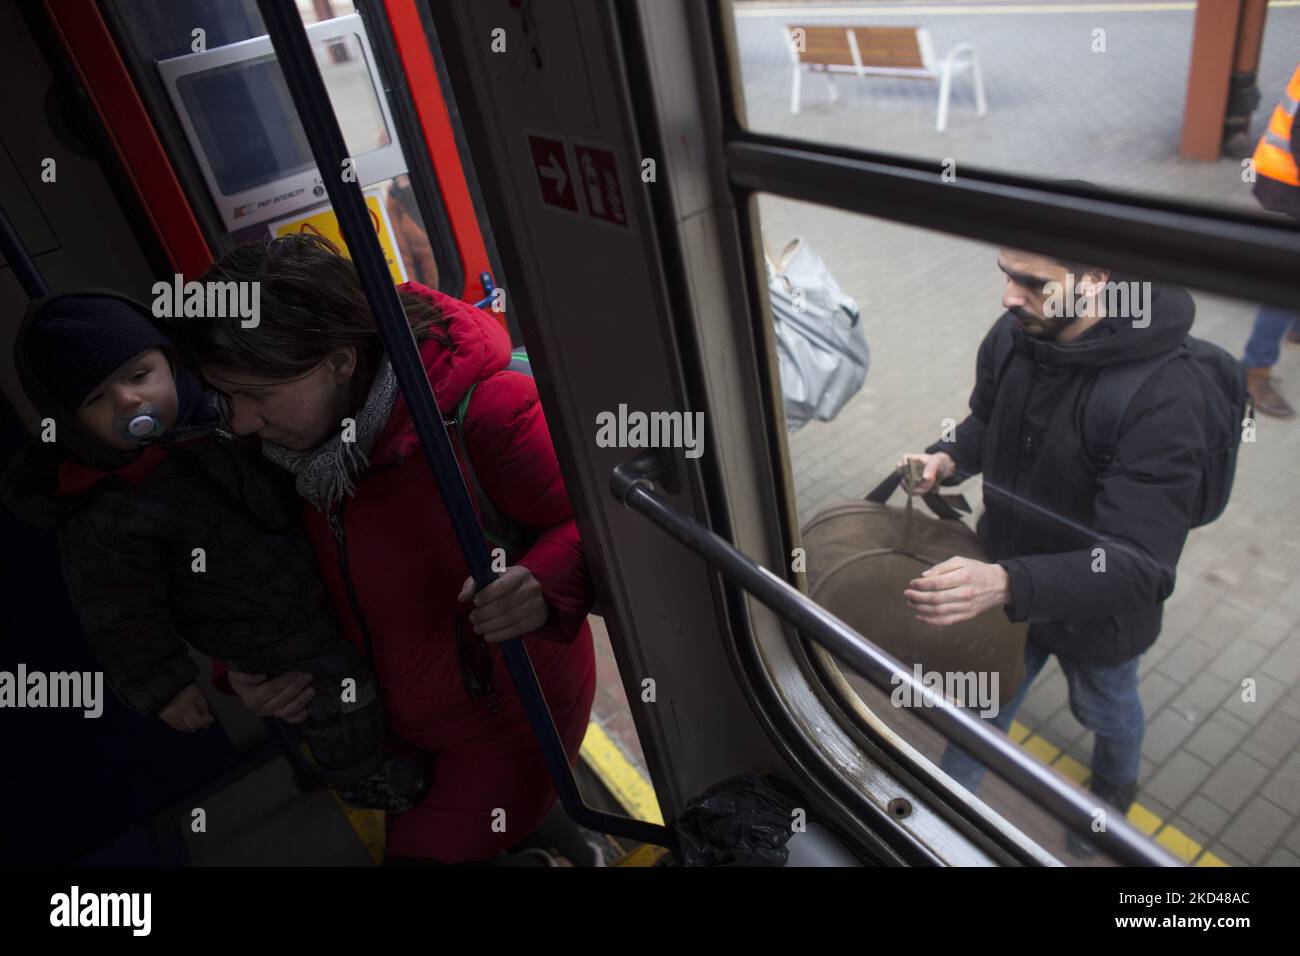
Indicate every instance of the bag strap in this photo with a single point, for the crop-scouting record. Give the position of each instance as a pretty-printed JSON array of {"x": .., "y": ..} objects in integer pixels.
[
  {"x": 952, "y": 507},
  {"x": 1113, "y": 389},
  {"x": 947, "y": 507},
  {"x": 497, "y": 528},
  {"x": 1112, "y": 392},
  {"x": 1003, "y": 347},
  {"x": 477, "y": 677}
]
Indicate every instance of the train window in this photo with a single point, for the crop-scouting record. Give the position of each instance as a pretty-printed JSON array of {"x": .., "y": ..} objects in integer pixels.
[
  {"x": 1205, "y": 722},
  {"x": 1112, "y": 95},
  {"x": 209, "y": 77},
  {"x": 220, "y": 101}
]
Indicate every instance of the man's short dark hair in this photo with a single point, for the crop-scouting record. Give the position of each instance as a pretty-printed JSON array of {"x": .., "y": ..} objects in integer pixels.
[{"x": 1080, "y": 269}]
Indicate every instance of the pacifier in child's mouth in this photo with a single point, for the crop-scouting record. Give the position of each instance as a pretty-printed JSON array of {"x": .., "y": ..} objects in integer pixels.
[{"x": 143, "y": 425}]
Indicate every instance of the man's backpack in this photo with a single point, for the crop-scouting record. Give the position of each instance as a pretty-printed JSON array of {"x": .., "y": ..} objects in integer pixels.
[{"x": 1227, "y": 407}]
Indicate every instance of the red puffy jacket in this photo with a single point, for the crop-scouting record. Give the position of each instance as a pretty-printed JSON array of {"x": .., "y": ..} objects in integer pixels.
[{"x": 394, "y": 541}]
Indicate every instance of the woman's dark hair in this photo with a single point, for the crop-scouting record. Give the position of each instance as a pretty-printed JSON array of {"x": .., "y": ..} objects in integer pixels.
[{"x": 310, "y": 303}]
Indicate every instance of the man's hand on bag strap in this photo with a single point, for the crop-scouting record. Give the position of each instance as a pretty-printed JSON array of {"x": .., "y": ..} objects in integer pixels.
[{"x": 920, "y": 474}]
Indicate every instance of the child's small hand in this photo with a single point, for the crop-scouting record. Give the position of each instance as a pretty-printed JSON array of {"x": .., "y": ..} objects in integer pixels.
[{"x": 188, "y": 711}]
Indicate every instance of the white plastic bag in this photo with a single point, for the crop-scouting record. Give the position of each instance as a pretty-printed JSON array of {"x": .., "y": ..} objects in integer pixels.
[{"x": 820, "y": 345}]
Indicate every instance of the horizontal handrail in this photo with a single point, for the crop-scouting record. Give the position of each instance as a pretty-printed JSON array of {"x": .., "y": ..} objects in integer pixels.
[{"x": 632, "y": 483}]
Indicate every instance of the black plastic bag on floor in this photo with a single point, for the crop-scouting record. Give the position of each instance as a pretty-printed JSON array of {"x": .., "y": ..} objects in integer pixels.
[{"x": 742, "y": 821}]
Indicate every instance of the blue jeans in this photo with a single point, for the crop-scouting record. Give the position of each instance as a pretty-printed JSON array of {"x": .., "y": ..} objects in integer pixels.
[
  {"x": 1103, "y": 699},
  {"x": 1265, "y": 342}
]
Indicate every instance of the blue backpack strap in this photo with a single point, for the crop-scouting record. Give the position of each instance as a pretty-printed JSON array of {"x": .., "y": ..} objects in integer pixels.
[{"x": 1112, "y": 392}]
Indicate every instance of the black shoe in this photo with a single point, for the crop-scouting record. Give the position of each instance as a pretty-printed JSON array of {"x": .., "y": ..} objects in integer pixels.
[
  {"x": 1118, "y": 797},
  {"x": 399, "y": 784}
]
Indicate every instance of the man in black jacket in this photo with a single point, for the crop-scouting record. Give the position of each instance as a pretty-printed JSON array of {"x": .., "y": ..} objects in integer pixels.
[{"x": 1083, "y": 542}]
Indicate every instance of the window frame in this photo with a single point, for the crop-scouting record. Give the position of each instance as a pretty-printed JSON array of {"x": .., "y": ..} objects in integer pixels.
[{"x": 1204, "y": 247}]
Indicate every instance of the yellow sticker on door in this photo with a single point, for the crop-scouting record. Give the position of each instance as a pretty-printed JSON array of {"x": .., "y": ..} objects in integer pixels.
[{"x": 321, "y": 221}]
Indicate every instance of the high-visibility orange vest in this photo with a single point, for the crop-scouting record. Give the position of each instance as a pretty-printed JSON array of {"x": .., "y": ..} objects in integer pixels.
[{"x": 1277, "y": 179}]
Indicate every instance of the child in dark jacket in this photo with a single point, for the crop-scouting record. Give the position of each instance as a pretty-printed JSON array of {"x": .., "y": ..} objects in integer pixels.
[{"x": 172, "y": 530}]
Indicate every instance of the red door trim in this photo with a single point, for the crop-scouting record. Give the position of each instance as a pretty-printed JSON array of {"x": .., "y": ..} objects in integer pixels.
[{"x": 440, "y": 141}]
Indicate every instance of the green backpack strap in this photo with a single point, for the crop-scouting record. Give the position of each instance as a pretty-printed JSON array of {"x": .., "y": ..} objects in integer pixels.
[
  {"x": 518, "y": 363},
  {"x": 497, "y": 527},
  {"x": 461, "y": 411}
]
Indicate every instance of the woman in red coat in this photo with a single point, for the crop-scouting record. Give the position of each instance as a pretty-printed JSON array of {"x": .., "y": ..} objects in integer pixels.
[{"x": 312, "y": 380}]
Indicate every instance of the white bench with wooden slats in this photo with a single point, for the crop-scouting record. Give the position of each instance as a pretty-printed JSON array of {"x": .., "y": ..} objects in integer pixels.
[{"x": 904, "y": 52}]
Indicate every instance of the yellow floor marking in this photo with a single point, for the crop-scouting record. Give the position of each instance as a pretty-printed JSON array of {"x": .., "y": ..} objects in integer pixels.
[
  {"x": 615, "y": 771},
  {"x": 1071, "y": 768},
  {"x": 622, "y": 778},
  {"x": 367, "y": 824},
  {"x": 1143, "y": 819},
  {"x": 1171, "y": 838},
  {"x": 1178, "y": 843},
  {"x": 644, "y": 855},
  {"x": 369, "y": 827},
  {"x": 625, "y": 781},
  {"x": 1041, "y": 749},
  {"x": 619, "y": 775}
]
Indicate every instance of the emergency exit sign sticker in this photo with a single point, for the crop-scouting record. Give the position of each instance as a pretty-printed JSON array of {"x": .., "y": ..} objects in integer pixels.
[
  {"x": 599, "y": 182},
  {"x": 554, "y": 176}
]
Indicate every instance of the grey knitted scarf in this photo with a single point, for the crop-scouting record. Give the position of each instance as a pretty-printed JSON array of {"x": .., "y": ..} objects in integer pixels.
[{"x": 329, "y": 471}]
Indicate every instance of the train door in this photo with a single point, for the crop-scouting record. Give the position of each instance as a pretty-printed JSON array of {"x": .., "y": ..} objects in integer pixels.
[
  {"x": 631, "y": 283},
  {"x": 645, "y": 290}
]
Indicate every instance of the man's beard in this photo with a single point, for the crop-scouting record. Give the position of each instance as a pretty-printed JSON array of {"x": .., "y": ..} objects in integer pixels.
[{"x": 1040, "y": 327}]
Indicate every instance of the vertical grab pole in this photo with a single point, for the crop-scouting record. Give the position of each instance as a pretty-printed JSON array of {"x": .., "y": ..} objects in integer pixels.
[
  {"x": 20, "y": 260},
  {"x": 292, "y": 49}
]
